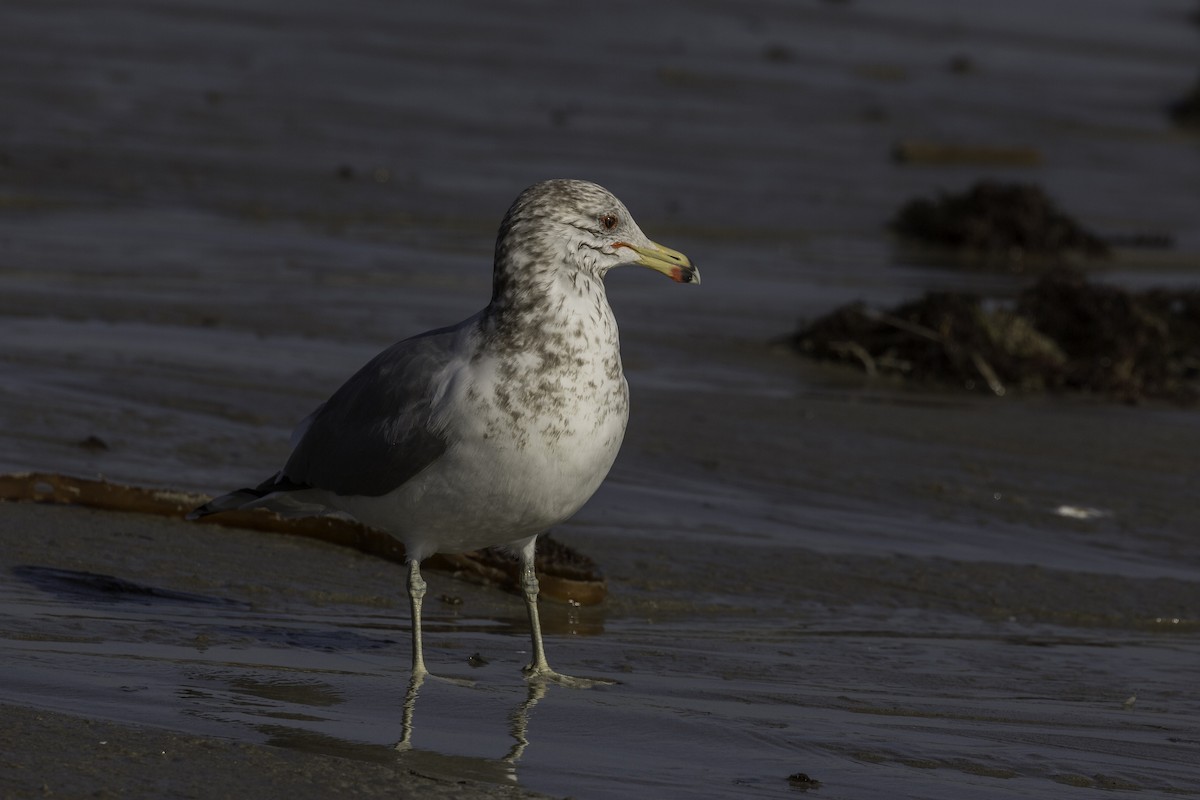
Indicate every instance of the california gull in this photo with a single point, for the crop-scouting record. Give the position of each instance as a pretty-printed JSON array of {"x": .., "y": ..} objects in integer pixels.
[{"x": 493, "y": 430}]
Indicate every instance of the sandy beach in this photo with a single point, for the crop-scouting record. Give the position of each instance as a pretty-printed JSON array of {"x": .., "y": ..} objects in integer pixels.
[{"x": 210, "y": 215}]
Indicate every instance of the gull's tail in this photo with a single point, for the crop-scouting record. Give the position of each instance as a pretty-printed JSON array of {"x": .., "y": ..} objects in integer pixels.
[{"x": 275, "y": 493}]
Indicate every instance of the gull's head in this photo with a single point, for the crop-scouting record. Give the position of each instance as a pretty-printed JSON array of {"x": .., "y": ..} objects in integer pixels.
[{"x": 582, "y": 227}]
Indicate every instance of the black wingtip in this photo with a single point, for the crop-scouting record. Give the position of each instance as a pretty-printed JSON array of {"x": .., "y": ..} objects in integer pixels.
[{"x": 244, "y": 498}]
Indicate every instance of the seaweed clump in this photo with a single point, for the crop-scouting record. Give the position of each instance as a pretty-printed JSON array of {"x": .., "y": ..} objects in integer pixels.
[
  {"x": 993, "y": 222},
  {"x": 1061, "y": 334}
]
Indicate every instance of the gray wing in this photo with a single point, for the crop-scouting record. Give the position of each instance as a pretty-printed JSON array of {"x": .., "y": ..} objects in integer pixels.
[{"x": 376, "y": 432}]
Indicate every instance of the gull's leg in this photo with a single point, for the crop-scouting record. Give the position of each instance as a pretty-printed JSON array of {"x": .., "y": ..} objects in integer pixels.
[
  {"x": 416, "y": 594},
  {"x": 539, "y": 668}
]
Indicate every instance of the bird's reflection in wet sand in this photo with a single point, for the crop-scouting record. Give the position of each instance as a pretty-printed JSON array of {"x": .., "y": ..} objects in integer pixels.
[
  {"x": 410, "y": 705},
  {"x": 494, "y": 770},
  {"x": 518, "y": 721}
]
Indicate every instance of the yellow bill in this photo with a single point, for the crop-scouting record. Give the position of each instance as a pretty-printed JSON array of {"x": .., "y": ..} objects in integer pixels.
[{"x": 672, "y": 263}]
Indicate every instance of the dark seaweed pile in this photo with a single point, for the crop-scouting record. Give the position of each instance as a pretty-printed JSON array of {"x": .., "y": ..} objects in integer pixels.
[
  {"x": 993, "y": 222},
  {"x": 1062, "y": 334}
]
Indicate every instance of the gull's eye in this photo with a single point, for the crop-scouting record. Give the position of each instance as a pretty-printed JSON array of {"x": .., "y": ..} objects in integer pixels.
[{"x": 608, "y": 221}]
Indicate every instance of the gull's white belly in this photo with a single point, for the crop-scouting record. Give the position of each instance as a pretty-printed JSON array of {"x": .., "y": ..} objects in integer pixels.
[
  {"x": 533, "y": 418},
  {"x": 500, "y": 482}
]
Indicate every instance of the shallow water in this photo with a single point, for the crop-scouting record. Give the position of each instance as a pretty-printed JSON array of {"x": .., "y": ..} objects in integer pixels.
[{"x": 209, "y": 217}]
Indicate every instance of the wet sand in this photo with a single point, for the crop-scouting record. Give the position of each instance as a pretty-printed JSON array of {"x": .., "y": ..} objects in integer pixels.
[
  {"x": 210, "y": 216},
  {"x": 60, "y": 755}
]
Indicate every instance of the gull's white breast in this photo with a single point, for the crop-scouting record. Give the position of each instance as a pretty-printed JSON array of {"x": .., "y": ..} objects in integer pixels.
[{"x": 532, "y": 433}]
